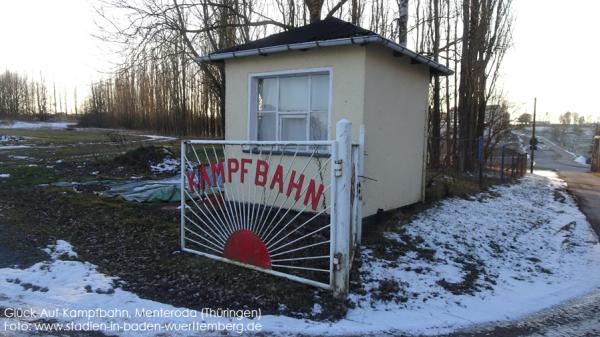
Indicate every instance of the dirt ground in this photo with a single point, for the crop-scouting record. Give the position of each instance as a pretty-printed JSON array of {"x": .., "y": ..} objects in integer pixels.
[{"x": 137, "y": 242}]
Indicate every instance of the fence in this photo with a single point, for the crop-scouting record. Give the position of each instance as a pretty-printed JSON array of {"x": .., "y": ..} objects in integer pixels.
[
  {"x": 502, "y": 162},
  {"x": 291, "y": 209}
]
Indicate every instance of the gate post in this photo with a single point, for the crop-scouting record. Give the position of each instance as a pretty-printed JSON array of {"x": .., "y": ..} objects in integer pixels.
[
  {"x": 341, "y": 225},
  {"x": 359, "y": 176},
  {"x": 182, "y": 167}
]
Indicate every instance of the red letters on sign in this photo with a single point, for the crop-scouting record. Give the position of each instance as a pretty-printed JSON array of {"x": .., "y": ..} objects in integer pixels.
[
  {"x": 244, "y": 169},
  {"x": 191, "y": 182},
  {"x": 203, "y": 177},
  {"x": 217, "y": 171},
  {"x": 232, "y": 166},
  {"x": 277, "y": 178},
  {"x": 262, "y": 168},
  {"x": 312, "y": 195},
  {"x": 295, "y": 185}
]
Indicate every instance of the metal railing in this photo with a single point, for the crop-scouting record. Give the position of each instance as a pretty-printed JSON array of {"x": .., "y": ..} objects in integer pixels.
[{"x": 290, "y": 209}]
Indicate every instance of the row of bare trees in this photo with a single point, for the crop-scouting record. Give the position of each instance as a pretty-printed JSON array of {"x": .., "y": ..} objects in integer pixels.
[
  {"x": 163, "y": 93},
  {"x": 160, "y": 87},
  {"x": 24, "y": 98},
  {"x": 20, "y": 96}
]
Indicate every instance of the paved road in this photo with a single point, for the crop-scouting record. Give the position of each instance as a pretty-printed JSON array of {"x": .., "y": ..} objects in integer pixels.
[
  {"x": 552, "y": 157},
  {"x": 586, "y": 189},
  {"x": 579, "y": 317}
]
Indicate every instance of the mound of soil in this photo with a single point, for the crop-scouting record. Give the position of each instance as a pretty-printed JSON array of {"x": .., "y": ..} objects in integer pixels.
[{"x": 144, "y": 156}]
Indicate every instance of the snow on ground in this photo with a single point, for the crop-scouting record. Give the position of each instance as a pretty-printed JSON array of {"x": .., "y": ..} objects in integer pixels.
[
  {"x": 12, "y": 147},
  {"x": 500, "y": 255},
  {"x": 581, "y": 160},
  {"x": 20, "y": 157},
  {"x": 6, "y": 139},
  {"x": 156, "y": 137},
  {"x": 61, "y": 247},
  {"x": 530, "y": 243},
  {"x": 4, "y": 175},
  {"x": 168, "y": 165},
  {"x": 75, "y": 292},
  {"x": 36, "y": 125}
]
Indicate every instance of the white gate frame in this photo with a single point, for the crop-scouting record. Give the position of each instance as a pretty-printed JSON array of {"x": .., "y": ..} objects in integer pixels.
[{"x": 346, "y": 227}]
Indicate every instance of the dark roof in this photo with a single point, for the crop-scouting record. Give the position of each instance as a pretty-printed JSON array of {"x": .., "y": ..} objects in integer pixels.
[
  {"x": 328, "y": 29},
  {"x": 326, "y": 33}
]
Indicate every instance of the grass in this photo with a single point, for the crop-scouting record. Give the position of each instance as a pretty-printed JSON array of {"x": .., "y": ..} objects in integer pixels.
[
  {"x": 446, "y": 184},
  {"x": 75, "y": 146},
  {"x": 138, "y": 243},
  {"x": 25, "y": 175}
]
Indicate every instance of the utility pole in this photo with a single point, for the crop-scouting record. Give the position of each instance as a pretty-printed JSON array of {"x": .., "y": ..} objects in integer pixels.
[{"x": 533, "y": 143}]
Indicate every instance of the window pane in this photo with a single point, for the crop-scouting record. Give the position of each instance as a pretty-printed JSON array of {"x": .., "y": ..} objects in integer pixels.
[
  {"x": 318, "y": 125},
  {"x": 293, "y": 93},
  {"x": 267, "y": 94},
  {"x": 293, "y": 128},
  {"x": 266, "y": 126},
  {"x": 319, "y": 92}
]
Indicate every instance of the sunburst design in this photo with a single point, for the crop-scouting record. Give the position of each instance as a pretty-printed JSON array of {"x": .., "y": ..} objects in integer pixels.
[{"x": 263, "y": 205}]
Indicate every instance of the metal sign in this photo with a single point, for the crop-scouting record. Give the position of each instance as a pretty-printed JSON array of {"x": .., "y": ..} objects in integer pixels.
[{"x": 284, "y": 208}]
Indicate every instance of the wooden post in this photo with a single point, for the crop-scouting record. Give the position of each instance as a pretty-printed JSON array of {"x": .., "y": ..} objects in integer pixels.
[{"x": 341, "y": 231}]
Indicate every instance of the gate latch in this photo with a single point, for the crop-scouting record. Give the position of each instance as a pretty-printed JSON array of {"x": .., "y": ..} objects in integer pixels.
[
  {"x": 337, "y": 167},
  {"x": 337, "y": 261}
]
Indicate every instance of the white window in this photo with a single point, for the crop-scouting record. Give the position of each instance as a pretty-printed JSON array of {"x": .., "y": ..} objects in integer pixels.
[{"x": 290, "y": 107}]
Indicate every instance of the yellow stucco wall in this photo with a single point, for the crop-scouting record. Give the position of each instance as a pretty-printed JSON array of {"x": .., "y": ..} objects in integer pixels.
[
  {"x": 369, "y": 86},
  {"x": 395, "y": 117},
  {"x": 348, "y": 72}
]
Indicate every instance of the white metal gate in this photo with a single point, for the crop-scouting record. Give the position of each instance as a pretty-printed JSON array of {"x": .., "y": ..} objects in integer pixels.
[{"x": 291, "y": 209}]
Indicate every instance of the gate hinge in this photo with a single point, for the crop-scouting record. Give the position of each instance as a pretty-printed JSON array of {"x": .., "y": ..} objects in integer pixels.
[
  {"x": 337, "y": 167},
  {"x": 359, "y": 190},
  {"x": 337, "y": 261}
]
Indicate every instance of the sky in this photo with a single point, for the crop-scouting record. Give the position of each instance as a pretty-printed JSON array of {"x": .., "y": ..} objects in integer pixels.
[
  {"x": 552, "y": 57},
  {"x": 53, "y": 37}
]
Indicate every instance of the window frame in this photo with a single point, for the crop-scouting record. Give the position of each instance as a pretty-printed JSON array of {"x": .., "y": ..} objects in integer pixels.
[{"x": 252, "y": 125}]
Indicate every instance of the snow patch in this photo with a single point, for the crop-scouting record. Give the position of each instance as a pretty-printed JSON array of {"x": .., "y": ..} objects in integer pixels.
[
  {"x": 168, "y": 165},
  {"x": 59, "y": 249},
  {"x": 156, "y": 137},
  {"x": 4, "y": 175},
  {"x": 6, "y": 139},
  {"x": 37, "y": 125},
  {"x": 11, "y": 147},
  {"x": 581, "y": 160},
  {"x": 20, "y": 157},
  {"x": 74, "y": 286}
]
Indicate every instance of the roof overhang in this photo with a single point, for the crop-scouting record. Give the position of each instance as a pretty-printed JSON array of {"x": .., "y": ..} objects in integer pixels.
[{"x": 358, "y": 40}]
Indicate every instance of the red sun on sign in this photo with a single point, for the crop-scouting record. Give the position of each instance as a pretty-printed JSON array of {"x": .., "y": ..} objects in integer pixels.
[{"x": 244, "y": 246}]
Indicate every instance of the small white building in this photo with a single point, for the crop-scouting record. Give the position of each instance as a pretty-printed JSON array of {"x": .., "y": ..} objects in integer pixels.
[{"x": 295, "y": 85}]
